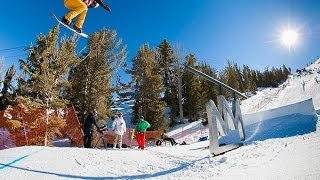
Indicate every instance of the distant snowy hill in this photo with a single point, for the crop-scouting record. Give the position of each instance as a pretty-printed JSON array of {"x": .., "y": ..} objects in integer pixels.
[{"x": 289, "y": 92}]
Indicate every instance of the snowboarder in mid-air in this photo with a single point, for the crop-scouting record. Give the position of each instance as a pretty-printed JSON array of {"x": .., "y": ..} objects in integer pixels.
[{"x": 80, "y": 8}]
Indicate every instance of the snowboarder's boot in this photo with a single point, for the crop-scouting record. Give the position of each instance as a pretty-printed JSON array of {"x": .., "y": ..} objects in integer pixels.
[
  {"x": 79, "y": 30},
  {"x": 65, "y": 21}
]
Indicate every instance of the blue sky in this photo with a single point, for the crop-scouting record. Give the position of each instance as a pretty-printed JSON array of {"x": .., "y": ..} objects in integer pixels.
[{"x": 243, "y": 31}]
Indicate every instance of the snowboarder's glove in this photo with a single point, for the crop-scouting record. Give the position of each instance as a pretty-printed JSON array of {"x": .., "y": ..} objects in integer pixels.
[{"x": 102, "y": 4}]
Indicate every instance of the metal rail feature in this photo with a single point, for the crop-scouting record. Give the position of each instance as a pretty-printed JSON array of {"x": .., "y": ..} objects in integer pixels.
[{"x": 211, "y": 79}]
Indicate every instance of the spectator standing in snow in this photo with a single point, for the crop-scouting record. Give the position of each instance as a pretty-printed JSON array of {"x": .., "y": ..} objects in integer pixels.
[
  {"x": 88, "y": 128},
  {"x": 142, "y": 126},
  {"x": 119, "y": 128}
]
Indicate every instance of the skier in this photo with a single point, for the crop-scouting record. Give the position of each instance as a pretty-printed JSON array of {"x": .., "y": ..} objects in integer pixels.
[
  {"x": 141, "y": 127},
  {"x": 119, "y": 128},
  {"x": 80, "y": 8},
  {"x": 88, "y": 130},
  {"x": 303, "y": 84}
]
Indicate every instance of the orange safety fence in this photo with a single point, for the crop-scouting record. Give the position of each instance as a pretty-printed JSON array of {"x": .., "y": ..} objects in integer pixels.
[
  {"x": 21, "y": 126},
  {"x": 73, "y": 129}
]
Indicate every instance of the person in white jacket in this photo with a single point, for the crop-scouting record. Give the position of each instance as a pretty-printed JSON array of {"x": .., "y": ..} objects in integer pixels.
[{"x": 119, "y": 128}]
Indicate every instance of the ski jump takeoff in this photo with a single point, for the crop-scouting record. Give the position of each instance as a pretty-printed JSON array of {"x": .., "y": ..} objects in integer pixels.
[{"x": 80, "y": 8}]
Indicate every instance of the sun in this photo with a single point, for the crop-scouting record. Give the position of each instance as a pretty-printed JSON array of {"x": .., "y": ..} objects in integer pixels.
[{"x": 289, "y": 38}]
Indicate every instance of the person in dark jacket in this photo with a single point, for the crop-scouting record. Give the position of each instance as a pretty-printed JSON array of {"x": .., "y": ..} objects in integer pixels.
[{"x": 88, "y": 128}]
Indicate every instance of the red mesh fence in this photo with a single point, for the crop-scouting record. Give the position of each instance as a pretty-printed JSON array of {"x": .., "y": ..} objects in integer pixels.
[
  {"x": 73, "y": 129},
  {"x": 20, "y": 126}
]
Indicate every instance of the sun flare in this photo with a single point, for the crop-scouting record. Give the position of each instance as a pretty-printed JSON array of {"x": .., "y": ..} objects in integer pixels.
[{"x": 289, "y": 38}]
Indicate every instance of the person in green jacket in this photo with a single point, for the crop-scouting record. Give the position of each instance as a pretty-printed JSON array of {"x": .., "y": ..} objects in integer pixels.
[{"x": 141, "y": 127}]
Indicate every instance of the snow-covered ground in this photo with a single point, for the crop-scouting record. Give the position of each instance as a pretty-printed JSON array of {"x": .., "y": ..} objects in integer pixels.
[
  {"x": 296, "y": 157},
  {"x": 285, "y": 147}
]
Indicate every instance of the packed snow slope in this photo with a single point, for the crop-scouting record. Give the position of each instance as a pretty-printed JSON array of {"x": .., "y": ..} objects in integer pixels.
[
  {"x": 289, "y": 92},
  {"x": 283, "y": 145},
  {"x": 296, "y": 157}
]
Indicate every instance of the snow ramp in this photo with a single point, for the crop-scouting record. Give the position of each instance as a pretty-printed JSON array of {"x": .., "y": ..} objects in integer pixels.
[{"x": 290, "y": 120}]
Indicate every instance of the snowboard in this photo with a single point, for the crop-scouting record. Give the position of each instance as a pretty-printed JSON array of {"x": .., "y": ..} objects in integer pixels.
[{"x": 81, "y": 34}]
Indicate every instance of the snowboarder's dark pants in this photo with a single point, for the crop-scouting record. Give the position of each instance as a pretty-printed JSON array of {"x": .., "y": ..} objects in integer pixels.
[
  {"x": 173, "y": 142},
  {"x": 87, "y": 139}
]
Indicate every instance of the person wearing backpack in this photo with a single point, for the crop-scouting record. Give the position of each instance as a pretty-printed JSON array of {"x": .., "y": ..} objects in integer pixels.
[{"x": 141, "y": 126}]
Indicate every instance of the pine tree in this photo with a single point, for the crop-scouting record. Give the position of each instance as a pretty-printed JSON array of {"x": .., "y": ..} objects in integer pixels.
[
  {"x": 208, "y": 89},
  {"x": 229, "y": 76},
  {"x": 167, "y": 62},
  {"x": 249, "y": 79},
  {"x": 240, "y": 78},
  {"x": 91, "y": 79},
  {"x": 177, "y": 99},
  {"x": 8, "y": 93},
  {"x": 286, "y": 71},
  {"x": 254, "y": 79},
  {"x": 148, "y": 88},
  {"x": 46, "y": 70},
  {"x": 191, "y": 90}
]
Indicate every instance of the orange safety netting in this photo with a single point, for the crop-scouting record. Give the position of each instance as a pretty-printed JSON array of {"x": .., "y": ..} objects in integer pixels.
[{"x": 20, "y": 126}]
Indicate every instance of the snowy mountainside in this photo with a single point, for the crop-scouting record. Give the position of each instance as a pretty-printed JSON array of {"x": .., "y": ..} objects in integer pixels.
[
  {"x": 291, "y": 91},
  {"x": 315, "y": 66}
]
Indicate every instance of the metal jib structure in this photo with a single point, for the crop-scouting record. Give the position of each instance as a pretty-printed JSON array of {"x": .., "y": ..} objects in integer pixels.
[{"x": 222, "y": 120}]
